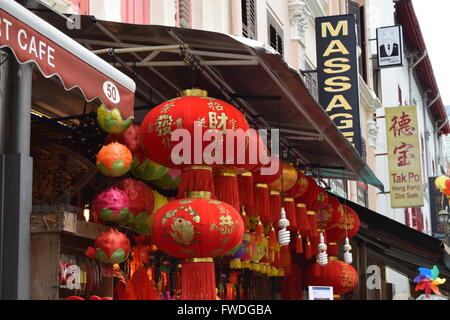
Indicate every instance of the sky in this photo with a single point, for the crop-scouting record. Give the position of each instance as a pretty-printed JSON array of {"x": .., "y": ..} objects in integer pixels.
[{"x": 433, "y": 18}]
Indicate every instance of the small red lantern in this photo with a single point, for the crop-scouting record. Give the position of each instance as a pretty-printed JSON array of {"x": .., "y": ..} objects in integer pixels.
[
  {"x": 310, "y": 197},
  {"x": 110, "y": 247},
  {"x": 114, "y": 160},
  {"x": 300, "y": 187},
  {"x": 337, "y": 274},
  {"x": 330, "y": 214},
  {"x": 347, "y": 226}
]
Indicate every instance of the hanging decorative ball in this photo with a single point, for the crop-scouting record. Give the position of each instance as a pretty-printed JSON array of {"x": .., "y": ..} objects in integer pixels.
[
  {"x": 141, "y": 203},
  {"x": 310, "y": 197},
  {"x": 320, "y": 202},
  {"x": 197, "y": 228},
  {"x": 112, "y": 121},
  {"x": 112, "y": 205},
  {"x": 170, "y": 181},
  {"x": 330, "y": 214},
  {"x": 195, "y": 112},
  {"x": 300, "y": 187},
  {"x": 114, "y": 160},
  {"x": 260, "y": 175},
  {"x": 337, "y": 274},
  {"x": 131, "y": 138},
  {"x": 146, "y": 169},
  {"x": 441, "y": 181},
  {"x": 287, "y": 179},
  {"x": 111, "y": 247},
  {"x": 347, "y": 226}
]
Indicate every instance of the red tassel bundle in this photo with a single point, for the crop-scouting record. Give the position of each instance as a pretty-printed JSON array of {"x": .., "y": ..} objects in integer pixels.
[
  {"x": 196, "y": 178},
  {"x": 289, "y": 207},
  {"x": 226, "y": 188},
  {"x": 299, "y": 244},
  {"x": 302, "y": 219},
  {"x": 261, "y": 203},
  {"x": 275, "y": 206},
  {"x": 313, "y": 234},
  {"x": 308, "y": 251},
  {"x": 259, "y": 231},
  {"x": 333, "y": 249},
  {"x": 198, "y": 280},
  {"x": 245, "y": 187}
]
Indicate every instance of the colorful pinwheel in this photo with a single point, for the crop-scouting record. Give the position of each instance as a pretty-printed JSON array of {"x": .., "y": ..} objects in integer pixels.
[{"x": 428, "y": 280}]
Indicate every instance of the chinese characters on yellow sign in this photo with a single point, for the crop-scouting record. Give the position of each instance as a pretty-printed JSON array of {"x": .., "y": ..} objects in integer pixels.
[{"x": 404, "y": 157}]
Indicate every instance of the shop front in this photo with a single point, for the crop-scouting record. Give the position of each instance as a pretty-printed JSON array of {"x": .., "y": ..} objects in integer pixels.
[{"x": 113, "y": 216}]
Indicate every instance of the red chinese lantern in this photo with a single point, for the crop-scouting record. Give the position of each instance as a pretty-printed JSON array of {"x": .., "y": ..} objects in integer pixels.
[
  {"x": 337, "y": 274},
  {"x": 110, "y": 247},
  {"x": 311, "y": 196},
  {"x": 114, "y": 160},
  {"x": 197, "y": 229},
  {"x": 141, "y": 203},
  {"x": 319, "y": 202},
  {"x": 300, "y": 187},
  {"x": 347, "y": 226},
  {"x": 197, "y": 114},
  {"x": 330, "y": 214}
]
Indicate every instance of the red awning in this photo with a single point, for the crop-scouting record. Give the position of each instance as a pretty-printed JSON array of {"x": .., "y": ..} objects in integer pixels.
[{"x": 55, "y": 54}]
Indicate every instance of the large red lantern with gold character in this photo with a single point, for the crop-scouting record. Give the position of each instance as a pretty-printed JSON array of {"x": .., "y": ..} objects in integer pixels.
[
  {"x": 337, "y": 274},
  {"x": 347, "y": 226},
  {"x": 197, "y": 229},
  {"x": 300, "y": 187}
]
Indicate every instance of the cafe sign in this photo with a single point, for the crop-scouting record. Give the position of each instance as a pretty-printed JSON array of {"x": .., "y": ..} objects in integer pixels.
[
  {"x": 337, "y": 74},
  {"x": 403, "y": 150}
]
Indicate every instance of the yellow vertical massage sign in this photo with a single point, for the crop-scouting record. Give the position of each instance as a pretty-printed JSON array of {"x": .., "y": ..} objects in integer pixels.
[{"x": 403, "y": 150}]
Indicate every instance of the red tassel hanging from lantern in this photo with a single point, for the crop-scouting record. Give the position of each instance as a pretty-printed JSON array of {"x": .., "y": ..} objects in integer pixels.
[
  {"x": 261, "y": 205},
  {"x": 289, "y": 207},
  {"x": 299, "y": 244},
  {"x": 196, "y": 178},
  {"x": 275, "y": 206},
  {"x": 245, "y": 187},
  {"x": 259, "y": 231},
  {"x": 313, "y": 233},
  {"x": 198, "y": 279},
  {"x": 302, "y": 219},
  {"x": 308, "y": 249},
  {"x": 226, "y": 188}
]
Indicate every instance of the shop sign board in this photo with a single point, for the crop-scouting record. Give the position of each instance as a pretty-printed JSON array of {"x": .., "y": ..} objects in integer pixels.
[
  {"x": 337, "y": 74},
  {"x": 320, "y": 293},
  {"x": 390, "y": 46},
  {"x": 403, "y": 148}
]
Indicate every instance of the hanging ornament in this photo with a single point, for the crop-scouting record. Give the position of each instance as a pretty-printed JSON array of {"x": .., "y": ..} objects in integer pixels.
[
  {"x": 226, "y": 187},
  {"x": 145, "y": 169},
  {"x": 198, "y": 114},
  {"x": 330, "y": 214},
  {"x": 141, "y": 204},
  {"x": 300, "y": 187},
  {"x": 131, "y": 138},
  {"x": 275, "y": 206},
  {"x": 110, "y": 247},
  {"x": 348, "y": 258},
  {"x": 322, "y": 257},
  {"x": 313, "y": 232},
  {"x": 441, "y": 181},
  {"x": 197, "y": 228},
  {"x": 112, "y": 121},
  {"x": 245, "y": 187},
  {"x": 309, "y": 198},
  {"x": 284, "y": 237},
  {"x": 112, "y": 205},
  {"x": 302, "y": 219},
  {"x": 114, "y": 160},
  {"x": 287, "y": 179},
  {"x": 347, "y": 226}
]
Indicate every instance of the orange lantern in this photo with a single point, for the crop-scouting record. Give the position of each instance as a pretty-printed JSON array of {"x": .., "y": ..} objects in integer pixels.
[{"x": 114, "y": 160}]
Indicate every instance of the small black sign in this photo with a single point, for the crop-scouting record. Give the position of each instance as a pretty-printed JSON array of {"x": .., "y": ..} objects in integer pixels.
[
  {"x": 337, "y": 74},
  {"x": 390, "y": 46},
  {"x": 438, "y": 201}
]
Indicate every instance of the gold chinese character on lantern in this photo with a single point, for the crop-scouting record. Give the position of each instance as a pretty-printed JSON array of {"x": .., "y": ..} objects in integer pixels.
[
  {"x": 164, "y": 125},
  {"x": 218, "y": 121}
]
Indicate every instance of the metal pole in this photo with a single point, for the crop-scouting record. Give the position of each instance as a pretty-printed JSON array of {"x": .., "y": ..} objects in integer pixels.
[{"x": 18, "y": 176}]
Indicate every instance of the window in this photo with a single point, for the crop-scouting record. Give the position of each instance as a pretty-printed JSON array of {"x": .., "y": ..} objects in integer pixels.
[
  {"x": 358, "y": 11},
  {"x": 183, "y": 15},
  {"x": 275, "y": 34},
  {"x": 249, "y": 18},
  {"x": 80, "y": 6},
  {"x": 310, "y": 79},
  {"x": 135, "y": 11}
]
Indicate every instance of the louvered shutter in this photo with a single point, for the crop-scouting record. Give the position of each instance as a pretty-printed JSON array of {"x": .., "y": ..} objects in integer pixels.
[{"x": 249, "y": 18}]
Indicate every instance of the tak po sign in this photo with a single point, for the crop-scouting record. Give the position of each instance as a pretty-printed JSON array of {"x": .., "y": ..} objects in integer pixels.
[
  {"x": 337, "y": 74},
  {"x": 403, "y": 149}
]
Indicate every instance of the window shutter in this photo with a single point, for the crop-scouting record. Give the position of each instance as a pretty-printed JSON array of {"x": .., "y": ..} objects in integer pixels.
[
  {"x": 249, "y": 18},
  {"x": 275, "y": 34}
]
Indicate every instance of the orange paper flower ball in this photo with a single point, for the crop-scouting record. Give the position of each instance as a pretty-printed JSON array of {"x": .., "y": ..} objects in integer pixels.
[{"x": 114, "y": 160}]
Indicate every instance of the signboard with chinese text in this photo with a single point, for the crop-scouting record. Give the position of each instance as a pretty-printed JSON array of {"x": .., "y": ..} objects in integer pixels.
[
  {"x": 403, "y": 150},
  {"x": 337, "y": 74}
]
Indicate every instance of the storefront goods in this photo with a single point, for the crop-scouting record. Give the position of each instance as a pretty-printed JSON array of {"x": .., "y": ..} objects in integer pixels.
[
  {"x": 114, "y": 160},
  {"x": 131, "y": 138},
  {"x": 146, "y": 169},
  {"x": 197, "y": 229},
  {"x": 112, "y": 205},
  {"x": 141, "y": 204},
  {"x": 346, "y": 227},
  {"x": 428, "y": 280},
  {"x": 110, "y": 247},
  {"x": 112, "y": 121},
  {"x": 169, "y": 181}
]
